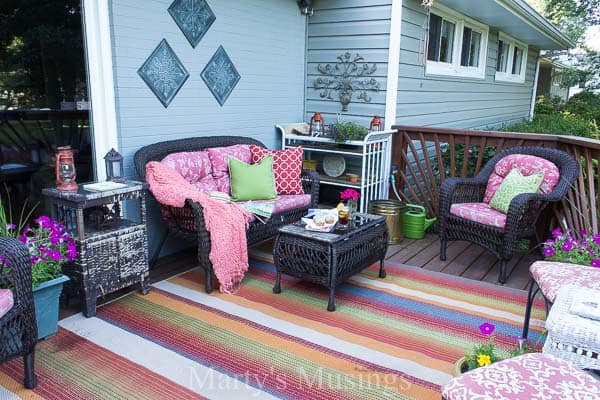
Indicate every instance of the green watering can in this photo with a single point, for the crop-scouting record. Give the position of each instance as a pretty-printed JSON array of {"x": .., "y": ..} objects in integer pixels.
[{"x": 415, "y": 222}]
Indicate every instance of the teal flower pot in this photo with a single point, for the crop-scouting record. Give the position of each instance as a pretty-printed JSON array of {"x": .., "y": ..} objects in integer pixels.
[{"x": 46, "y": 297}]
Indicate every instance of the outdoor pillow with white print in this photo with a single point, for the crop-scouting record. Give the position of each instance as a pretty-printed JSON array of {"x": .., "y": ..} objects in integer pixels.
[{"x": 513, "y": 185}]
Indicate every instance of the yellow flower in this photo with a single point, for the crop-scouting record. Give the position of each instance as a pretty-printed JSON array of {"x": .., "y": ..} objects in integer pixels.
[{"x": 483, "y": 360}]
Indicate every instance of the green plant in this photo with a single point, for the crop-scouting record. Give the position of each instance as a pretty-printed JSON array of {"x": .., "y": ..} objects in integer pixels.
[
  {"x": 459, "y": 156},
  {"x": 586, "y": 105},
  {"x": 544, "y": 106},
  {"x": 564, "y": 247},
  {"x": 563, "y": 123},
  {"x": 344, "y": 131},
  {"x": 7, "y": 227}
]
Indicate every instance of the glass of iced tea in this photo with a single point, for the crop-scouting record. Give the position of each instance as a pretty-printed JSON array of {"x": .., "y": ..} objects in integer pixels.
[{"x": 343, "y": 214}]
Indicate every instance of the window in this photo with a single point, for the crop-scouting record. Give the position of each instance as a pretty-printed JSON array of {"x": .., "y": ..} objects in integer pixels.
[
  {"x": 511, "y": 62},
  {"x": 457, "y": 45}
]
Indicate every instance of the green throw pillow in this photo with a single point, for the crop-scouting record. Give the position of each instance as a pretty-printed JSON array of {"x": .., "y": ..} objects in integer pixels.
[
  {"x": 514, "y": 184},
  {"x": 252, "y": 181}
]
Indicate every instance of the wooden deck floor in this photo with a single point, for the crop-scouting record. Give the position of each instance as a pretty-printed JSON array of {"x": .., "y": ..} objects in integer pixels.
[{"x": 462, "y": 259}]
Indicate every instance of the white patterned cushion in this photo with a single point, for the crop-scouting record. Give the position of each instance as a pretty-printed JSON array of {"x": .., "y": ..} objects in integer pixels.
[
  {"x": 532, "y": 376},
  {"x": 551, "y": 275},
  {"x": 6, "y": 301},
  {"x": 479, "y": 212},
  {"x": 285, "y": 202}
]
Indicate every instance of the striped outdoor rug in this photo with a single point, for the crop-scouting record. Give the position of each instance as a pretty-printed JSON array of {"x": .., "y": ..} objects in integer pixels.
[{"x": 393, "y": 338}]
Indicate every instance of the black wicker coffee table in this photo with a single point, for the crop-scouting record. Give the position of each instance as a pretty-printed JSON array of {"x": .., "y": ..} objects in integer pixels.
[{"x": 329, "y": 259}]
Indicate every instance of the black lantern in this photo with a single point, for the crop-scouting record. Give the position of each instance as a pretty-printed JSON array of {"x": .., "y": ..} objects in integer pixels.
[{"x": 114, "y": 166}]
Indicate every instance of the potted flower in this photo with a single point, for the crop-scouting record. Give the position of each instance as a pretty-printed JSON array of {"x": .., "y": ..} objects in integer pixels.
[
  {"x": 347, "y": 131},
  {"x": 487, "y": 353},
  {"x": 50, "y": 245},
  {"x": 564, "y": 247}
]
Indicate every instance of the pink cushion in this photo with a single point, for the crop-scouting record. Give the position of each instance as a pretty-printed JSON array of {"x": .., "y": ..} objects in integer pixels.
[
  {"x": 287, "y": 167},
  {"x": 194, "y": 166},
  {"x": 219, "y": 160},
  {"x": 6, "y": 301},
  {"x": 286, "y": 202},
  {"x": 551, "y": 275},
  {"x": 479, "y": 212},
  {"x": 527, "y": 165},
  {"x": 533, "y": 376}
]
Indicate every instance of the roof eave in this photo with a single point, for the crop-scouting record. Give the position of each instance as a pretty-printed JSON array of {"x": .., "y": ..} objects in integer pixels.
[{"x": 524, "y": 11}]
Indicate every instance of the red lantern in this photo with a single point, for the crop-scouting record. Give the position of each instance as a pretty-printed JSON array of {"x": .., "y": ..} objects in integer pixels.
[
  {"x": 376, "y": 124},
  {"x": 65, "y": 169},
  {"x": 317, "y": 125}
]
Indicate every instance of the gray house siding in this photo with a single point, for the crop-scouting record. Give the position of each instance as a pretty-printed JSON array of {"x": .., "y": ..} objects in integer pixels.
[
  {"x": 265, "y": 40},
  {"x": 445, "y": 101},
  {"x": 355, "y": 26}
]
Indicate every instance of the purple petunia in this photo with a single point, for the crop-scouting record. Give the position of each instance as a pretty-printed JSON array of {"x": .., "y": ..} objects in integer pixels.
[
  {"x": 486, "y": 328},
  {"x": 597, "y": 239},
  {"x": 568, "y": 246},
  {"x": 11, "y": 227},
  {"x": 595, "y": 262},
  {"x": 556, "y": 233},
  {"x": 548, "y": 251},
  {"x": 44, "y": 221}
]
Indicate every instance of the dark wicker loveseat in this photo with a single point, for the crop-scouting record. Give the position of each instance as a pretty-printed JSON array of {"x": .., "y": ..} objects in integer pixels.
[
  {"x": 18, "y": 327},
  {"x": 522, "y": 214},
  {"x": 188, "y": 222}
]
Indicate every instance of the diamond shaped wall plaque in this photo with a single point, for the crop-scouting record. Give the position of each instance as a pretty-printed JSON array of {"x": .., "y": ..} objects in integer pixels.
[
  {"x": 194, "y": 18},
  {"x": 163, "y": 73},
  {"x": 220, "y": 75}
]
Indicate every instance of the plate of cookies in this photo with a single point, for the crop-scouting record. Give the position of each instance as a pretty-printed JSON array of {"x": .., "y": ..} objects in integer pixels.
[{"x": 321, "y": 220}]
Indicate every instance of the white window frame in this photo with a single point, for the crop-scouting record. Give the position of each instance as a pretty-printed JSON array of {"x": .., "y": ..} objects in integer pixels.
[
  {"x": 460, "y": 21},
  {"x": 508, "y": 76}
]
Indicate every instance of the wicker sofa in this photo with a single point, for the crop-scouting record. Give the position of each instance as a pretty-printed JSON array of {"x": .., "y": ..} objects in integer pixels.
[{"x": 188, "y": 222}]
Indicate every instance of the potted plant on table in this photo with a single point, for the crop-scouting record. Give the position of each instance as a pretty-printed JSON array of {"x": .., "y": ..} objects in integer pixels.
[
  {"x": 564, "y": 247},
  {"x": 50, "y": 245},
  {"x": 346, "y": 131}
]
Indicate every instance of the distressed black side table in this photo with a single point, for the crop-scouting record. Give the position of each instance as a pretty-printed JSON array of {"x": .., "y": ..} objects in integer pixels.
[
  {"x": 112, "y": 250},
  {"x": 329, "y": 259}
]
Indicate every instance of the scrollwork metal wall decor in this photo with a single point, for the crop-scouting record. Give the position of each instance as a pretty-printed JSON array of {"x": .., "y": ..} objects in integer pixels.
[{"x": 349, "y": 74}]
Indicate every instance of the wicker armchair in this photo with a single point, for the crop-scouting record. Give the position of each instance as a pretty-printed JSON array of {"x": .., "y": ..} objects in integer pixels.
[
  {"x": 188, "y": 222},
  {"x": 522, "y": 214},
  {"x": 18, "y": 328}
]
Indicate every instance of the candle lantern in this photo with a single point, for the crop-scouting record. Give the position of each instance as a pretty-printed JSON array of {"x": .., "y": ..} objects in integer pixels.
[
  {"x": 114, "y": 166},
  {"x": 317, "y": 125},
  {"x": 376, "y": 124},
  {"x": 65, "y": 169}
]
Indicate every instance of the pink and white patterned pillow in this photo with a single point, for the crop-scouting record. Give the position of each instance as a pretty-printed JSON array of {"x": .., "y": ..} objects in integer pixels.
[
  {"x": 195, "y": 167},
  {"x": 219, "y": 160},
  {"x": 479, "y": 212},
  {"x": 287, "y": 167},
  {"x": 527, "y": 165},
  {"x": 6, "y": 301}
]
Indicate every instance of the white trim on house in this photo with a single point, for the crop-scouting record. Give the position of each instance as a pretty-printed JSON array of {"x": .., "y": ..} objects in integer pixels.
[
  {"x": 534, "y": 89},
  {"x": 391, "y": 96},
  {"x": 103, "y": 115},
  {"x": 508, "y": 76},
  {"x": 455, "y": 68}
]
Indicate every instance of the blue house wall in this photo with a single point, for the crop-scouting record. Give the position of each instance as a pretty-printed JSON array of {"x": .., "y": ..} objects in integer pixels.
[
  {"x": 453, "y": 102},
  {"x": 265, "y": 39}
]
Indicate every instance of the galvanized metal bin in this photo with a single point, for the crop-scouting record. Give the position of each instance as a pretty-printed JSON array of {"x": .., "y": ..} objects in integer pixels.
[{"x": 393, "y": 211}]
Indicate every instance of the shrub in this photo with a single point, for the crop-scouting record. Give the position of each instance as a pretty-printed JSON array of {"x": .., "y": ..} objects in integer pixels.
[
  {"x": 585, "y": 105},
  {"x": 343, "y": 131},
  {"x": 544, "y": 106},
  {"x": 564, "y": 123}
]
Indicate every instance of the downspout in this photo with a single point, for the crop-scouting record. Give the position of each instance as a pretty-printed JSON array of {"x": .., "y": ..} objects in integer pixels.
[
  {"x": 391, "y": 95},
  {"x": 534, "y": 89}
]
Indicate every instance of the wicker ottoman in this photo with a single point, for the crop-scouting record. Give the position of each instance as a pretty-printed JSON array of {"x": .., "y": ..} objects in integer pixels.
[
  {"x": 329, "y": 259},
  {"x": 570, "y": 336},
  {"x": 532, "y": 376}
]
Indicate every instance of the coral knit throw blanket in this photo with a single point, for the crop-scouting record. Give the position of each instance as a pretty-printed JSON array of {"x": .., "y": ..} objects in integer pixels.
[{"x": 226, "y": 222}]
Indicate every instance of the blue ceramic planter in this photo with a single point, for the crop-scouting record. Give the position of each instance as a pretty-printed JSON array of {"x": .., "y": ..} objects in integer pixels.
[{"x": 46, "y": 297}]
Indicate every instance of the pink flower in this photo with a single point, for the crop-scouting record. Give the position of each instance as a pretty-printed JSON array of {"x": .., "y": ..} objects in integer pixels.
[
  {"x": 567, "y": 246},
  {"x": 596, "y": 262},
  {"x": 556, "y": 233},
  {"x": 548, "y": 251},
  {"x": 349, "y": 194},
  {"x": 486, "y": 328}
]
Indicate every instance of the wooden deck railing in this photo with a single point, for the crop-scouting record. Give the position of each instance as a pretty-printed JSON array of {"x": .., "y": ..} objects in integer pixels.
[{"x": 427, "y": 156}]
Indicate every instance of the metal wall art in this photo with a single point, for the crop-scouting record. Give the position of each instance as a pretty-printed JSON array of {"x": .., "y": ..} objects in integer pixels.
[
  {"x": 163, "y": 73},
  {"x": 220, "y": 75},
  {"x": 347, "y": 75},
  {"x": 194, "y": 18}
]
